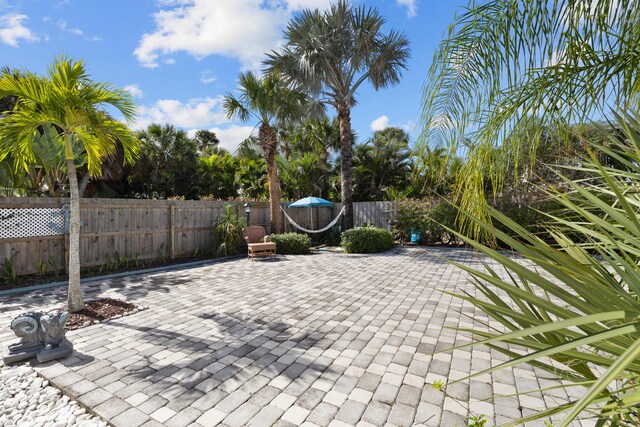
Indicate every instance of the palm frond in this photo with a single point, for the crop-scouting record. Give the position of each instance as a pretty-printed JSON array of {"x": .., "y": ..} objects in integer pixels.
[
  {"x": 506, "y": 66},
  {"x": 574, "y": 303}
]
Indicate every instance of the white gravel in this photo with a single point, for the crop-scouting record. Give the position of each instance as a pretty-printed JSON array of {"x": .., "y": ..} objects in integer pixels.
[{"x": 27, "y": 400}]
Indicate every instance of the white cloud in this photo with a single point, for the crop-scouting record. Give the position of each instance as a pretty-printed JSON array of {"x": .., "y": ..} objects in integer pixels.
[
  {"x": 380, "y": 123},
  {"x": 64, "y": 26},
  {"x": 207, "y": 77},
  {"x": 196, "y": 113},
  {"x": 409, "y": 126},
  {"x": 193, "y": 115},
  {"x": 134, "y": 90},
  {"x": 241, "y": 29},
  {"x": 412, "y": 9},
  {"x": 231, "y": 136},
  {"x": 294, "y": 5},
  {"x": 12, "y": 30}
]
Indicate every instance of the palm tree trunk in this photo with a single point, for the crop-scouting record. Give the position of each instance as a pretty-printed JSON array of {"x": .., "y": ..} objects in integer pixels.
[
  {"x": 269, "y": 143},
  {"x": 74, "y": 299},
  {"x": 344, "y": 119}
]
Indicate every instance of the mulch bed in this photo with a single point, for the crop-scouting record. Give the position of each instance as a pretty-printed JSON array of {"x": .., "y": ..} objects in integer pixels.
[
  {"x": 36, "y": 279},
  {"x": 99, "y": 310}
]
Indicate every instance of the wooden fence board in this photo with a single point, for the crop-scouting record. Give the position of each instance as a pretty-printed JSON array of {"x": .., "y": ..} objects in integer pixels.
[{"x": 143, "y": 228}]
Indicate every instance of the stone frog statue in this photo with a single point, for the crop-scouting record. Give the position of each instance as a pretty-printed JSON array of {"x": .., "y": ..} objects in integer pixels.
[{"x": 41, "y": 335}]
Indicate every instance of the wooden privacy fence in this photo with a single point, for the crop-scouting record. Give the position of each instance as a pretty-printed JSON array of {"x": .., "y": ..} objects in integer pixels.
[{"x": 31, "y": 229}]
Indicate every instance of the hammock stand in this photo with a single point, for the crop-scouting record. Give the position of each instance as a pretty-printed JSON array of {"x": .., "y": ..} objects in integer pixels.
[{"x": 306, "y": 230}]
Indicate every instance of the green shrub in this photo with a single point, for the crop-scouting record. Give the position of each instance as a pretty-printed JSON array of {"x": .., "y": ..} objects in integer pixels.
[
  {"x": 532, "y": 216},
  {"x": 227, "y": 233},
  {"x": 366, "y": 240},
  {"x": 291, "y": 243},
  {"x": 427, "y": 219},
  {"x": 330, "y": 237}
]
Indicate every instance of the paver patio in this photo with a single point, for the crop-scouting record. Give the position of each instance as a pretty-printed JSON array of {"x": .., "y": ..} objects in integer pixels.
[{"x": 325, "y": 339}]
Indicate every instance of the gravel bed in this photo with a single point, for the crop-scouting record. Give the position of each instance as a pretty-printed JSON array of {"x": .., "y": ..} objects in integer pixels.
[{"x": 28, "y": 400}]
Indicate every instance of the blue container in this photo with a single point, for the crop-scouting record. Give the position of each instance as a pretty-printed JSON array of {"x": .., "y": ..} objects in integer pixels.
[{"x": 415, "y": 236}]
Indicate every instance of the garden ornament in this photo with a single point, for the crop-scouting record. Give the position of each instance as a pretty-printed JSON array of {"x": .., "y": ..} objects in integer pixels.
[{"x": 41, "y": 336}]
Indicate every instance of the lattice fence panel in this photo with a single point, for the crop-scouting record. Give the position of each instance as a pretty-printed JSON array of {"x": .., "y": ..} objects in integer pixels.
[{"x": 15, "y": 223}]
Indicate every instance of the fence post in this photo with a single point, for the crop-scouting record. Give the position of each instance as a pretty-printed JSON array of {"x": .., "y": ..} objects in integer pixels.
[{"x": 172, "y": 230}]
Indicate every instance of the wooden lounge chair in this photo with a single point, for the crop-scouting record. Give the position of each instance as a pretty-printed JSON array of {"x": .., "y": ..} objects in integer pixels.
[{"x": 258, "y": 243}]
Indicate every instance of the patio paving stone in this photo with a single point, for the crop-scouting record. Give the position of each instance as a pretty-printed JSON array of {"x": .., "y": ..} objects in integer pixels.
[{"x": 318, "y": 340}]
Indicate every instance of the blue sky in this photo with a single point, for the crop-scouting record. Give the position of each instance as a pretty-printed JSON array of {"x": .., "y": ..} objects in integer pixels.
[{"x": 179, "y": 57}]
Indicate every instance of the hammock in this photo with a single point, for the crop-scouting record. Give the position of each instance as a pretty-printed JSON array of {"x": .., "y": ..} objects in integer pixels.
[{"x": 298, "y": 226}]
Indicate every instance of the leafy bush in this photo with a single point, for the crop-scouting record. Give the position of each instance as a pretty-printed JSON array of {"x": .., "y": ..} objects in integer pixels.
[
  {"x": 427, "y": 219},
  {"x": 532, "y": 216},
  {"x": 291, "y": 243},
  {"x": 366, "y": 240},
  {"x": 432, "y": 221},
  {"x": 574, "y": 302},
  {"x": 330, "y": 237},
  {"x": 227, "y": 233}
]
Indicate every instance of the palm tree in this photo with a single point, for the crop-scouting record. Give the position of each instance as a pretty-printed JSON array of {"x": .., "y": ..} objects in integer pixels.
[
  {"x": 266, "y": 100},
  {"x": 333, "y": 54},
  {"x": 304, "y": 174},
  {"x": 168, "y": 162},
  {"x": 506, "y": 66},
  {"x": 316, "y": 134},
  {"x": 68, "y": 100},
  {"x": 383, "y": 162}
]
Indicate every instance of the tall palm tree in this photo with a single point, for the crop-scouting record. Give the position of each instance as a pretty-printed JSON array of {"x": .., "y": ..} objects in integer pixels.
[
  {"x": 67, "y": 99},
  {"x": 168, "y": 161},
  {"x": 509, "y": 64},
  {"x": 333, "y": 53},
  {"x": 383, "y": 162},
  {"x": 316, "y": 134},
  {"x": 267, "y": 100}
]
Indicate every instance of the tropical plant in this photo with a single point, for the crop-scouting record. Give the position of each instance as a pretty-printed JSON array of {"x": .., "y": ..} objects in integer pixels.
[
  {"x": 332, "y": 54},
  {"x": 48, "y": 174},
  {"x": 304, "y": 175},
  {"x": 318, "y": 135},
  {"x": 8, "y": 102},
  {"x": 227, "y": 233},
  {"x": 572, "y": 307},
  {"x": 41, "y": 266},
  {"x": 251, "y": 179},
  {"x": 382, "y": 163},
  {"x": 435, "y": 171},
  {"x": 216, "y": 176},
  {"x": 267, "y": 100},
  {"x": 9, "y": 270},
  {"x": 207, "y": 142},
  {"x": 167, "y": 163},
  {"x": 67, "y": 99},
  {"x": 509, "y": 69}
]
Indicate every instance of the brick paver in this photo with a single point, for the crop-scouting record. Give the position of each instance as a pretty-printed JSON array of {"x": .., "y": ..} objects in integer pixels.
[{"x": 323, "y": 339}]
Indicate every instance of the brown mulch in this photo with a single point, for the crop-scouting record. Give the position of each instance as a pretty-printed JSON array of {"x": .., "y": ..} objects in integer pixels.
[
  {"x": 98, "y": 311},
  {"x": 37, "y": 279}
]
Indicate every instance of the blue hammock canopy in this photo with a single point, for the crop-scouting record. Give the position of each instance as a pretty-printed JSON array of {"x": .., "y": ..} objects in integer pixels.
[{"x": 311, "y": 202}]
